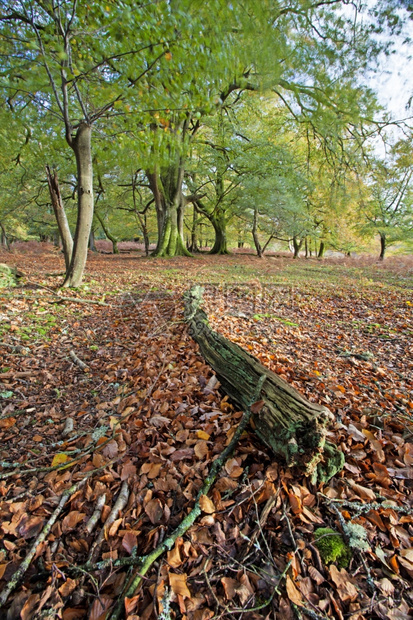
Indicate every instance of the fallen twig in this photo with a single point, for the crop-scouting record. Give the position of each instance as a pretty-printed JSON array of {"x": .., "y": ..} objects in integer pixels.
[
  {"x": 15, "y": 578},
  {"x": 77, "y": 300},
  {"x": 120, "y": 504},
  {"x": 78, "y": 361},
  {"x": 90, "y": 525},
  {"x": 147, "y": 561}
]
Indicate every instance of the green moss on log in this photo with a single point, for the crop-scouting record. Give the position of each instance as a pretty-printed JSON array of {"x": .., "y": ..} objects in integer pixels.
[{"x": 293, "y": 427}]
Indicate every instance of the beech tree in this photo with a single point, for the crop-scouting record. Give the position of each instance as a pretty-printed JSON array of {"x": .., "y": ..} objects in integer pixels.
[
  {"x": 386, "y": 200},
  {"x": 79, "y": 63}
]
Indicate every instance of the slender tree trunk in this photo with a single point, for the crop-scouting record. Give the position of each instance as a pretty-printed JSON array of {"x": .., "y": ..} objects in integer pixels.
[
  {"x": 81, "y": 146},
  {"x": 3, "y": 238},
  {"x": 321, "y": 249},
  {"x": 306, "y": 247},
  {"x": 108, "y": 234},
  {"x": 193, "y": 244},
  {"x": 92, "y": 245},
  {"x": 382, "y": 245},
  {"x": 297, "y": 243},
  {"x": 60, "y": 215},
  {"x": 255, "y": 234}
]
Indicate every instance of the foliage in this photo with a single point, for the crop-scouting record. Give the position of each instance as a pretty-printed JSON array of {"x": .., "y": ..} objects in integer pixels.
[{"x": 332, "y": 547}]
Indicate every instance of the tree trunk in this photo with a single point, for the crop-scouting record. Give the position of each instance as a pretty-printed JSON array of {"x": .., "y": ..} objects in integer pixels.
[
  {"x": 3, "y": 238},
  {"x": 60, "y": 215},
  {"x": 382, "y": 245},
  {"x": 306, "y": 247},
  {"x": 108, "y": 234},
  {"x": 193, "y": 244},
  {"x": 288, "y": 423},
  {"x": 255, "y": 234},
  {"x": 219, "y": 223},
  {"x": 321, "y": 249},
  {"x": 92, "y": 245},
  {"x": 169, "y": 202},
  {"x": 81, "y": 146},
  {"x": 297, "y": 243}
]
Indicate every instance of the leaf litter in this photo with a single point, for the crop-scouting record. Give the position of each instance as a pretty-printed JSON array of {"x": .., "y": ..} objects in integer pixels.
[{"x": 148, "y": 421}]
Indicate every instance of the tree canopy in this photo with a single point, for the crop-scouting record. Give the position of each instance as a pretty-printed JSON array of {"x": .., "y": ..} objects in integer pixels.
[{"x": 256, "y": 113}]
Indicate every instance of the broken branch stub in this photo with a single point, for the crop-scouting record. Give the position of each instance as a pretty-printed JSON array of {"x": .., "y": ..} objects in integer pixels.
[{"x": 288, "y": 423}]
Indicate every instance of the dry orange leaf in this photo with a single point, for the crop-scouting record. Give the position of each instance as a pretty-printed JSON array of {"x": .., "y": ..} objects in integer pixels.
[
  {"x": 202, "y": 435},
  {"x": 2, "y": 569},
  {"x": 207, "y": 505},
  {"x": 174, "y": 557},
  {"x": 7, "y": 423},
  {"x": 71, "y": 520},
  {"x": 201, "y": 449},
  {"x": 293, "y": 594},
  {"x": 67, "y": 587},
  {"x": 178, "y": 584},
  {"x": 346, "y": 590}
]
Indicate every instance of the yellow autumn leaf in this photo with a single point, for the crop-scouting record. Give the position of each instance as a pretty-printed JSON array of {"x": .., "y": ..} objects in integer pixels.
[
  {"x": 202, "y": 435},
  {"x": 59, "y": 459},
  {"x": 113, "y": 422}
]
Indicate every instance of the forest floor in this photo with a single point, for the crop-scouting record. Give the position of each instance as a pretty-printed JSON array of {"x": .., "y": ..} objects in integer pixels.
[{"x": 136, "y": 430}]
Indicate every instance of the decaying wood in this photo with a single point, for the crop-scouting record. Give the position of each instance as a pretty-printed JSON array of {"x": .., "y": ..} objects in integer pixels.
[{"x": 289, "y": 424}]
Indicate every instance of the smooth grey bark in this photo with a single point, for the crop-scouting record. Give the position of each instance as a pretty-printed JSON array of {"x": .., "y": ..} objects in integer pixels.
[
  {"x": 60, "y": 215},
  {"x": 81, "y": 145}
]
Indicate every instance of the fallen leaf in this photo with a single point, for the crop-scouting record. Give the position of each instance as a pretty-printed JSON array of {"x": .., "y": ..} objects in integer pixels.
[
  {"x": 129, "y": 541},
  {"x": 293, "y": 593},
  {"x": 7, "y": 423},
  {"x": 60, "y": 459},
  {"x": 71, "y": 520},
  {"x": 99, "y": 608},
  {"x": 67, "y": 587},
  {"x": 178, "y": 584},
  {"x": 154, "y": 510},
  {"x": 206, "y": 504},
  {"x": 173, "y": 557},
  {"x": 346, "y": 590}
]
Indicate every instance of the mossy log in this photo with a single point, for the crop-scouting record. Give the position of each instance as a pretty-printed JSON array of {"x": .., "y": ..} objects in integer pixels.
[
  {"x": 8, "y": 275},
  {"x": 293, "y": 427}
]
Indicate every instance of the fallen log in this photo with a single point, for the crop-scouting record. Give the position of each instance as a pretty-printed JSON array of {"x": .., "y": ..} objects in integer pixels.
[{"x": 290, "y": 425}]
